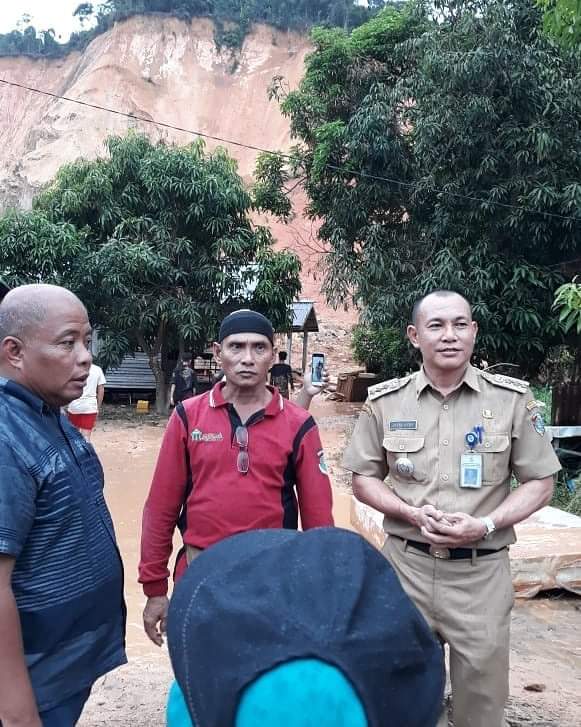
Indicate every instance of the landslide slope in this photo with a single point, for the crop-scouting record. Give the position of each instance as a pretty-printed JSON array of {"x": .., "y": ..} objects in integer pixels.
[
  {"x": 157, "y": 67},
  {"x": 170, "y": 71}
]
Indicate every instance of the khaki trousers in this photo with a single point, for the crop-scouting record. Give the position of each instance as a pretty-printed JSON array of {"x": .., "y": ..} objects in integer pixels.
[{"x": 468, "y": 604}]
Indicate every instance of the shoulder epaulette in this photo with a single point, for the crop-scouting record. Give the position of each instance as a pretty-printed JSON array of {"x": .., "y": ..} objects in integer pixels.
[
  {"x": 386, "y": 387},
  {"x": 507, "y": 382}
]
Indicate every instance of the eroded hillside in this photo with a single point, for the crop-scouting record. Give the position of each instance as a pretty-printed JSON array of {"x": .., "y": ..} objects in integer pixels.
[
  {"x": 155, "y": 67},
  {"x": 170, "y": 71}
]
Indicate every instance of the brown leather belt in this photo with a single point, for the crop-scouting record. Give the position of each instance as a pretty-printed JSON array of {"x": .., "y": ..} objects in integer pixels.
[{"x": 437, "y": 551}]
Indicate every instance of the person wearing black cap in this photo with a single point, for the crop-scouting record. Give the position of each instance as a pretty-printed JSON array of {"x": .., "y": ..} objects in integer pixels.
[
  {"x": 239, "y": 457},
  {"x": 251, "y": 649}
]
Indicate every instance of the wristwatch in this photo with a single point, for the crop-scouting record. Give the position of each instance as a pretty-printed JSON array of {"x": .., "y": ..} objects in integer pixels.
[{"x": 489, "y": 525}]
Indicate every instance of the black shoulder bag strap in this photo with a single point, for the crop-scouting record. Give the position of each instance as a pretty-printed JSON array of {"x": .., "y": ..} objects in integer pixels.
[{"x": 183, "y": 518}]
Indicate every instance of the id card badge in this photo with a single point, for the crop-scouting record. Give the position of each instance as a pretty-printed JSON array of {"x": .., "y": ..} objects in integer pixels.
[{"x": 471, "y": 470}]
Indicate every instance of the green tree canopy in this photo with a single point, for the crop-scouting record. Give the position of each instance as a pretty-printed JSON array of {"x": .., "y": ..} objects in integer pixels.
[
  {"x": 157, "y": 241},
  {"x": 445, "y": 155},
  {"x": 568, "y": 304},
  {"x": 563, "y": 19},
  {"x": 35, "y": 249}
]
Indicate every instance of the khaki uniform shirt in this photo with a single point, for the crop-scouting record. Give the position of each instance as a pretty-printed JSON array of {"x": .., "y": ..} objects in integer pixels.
[{"x": 408, "y": 418}]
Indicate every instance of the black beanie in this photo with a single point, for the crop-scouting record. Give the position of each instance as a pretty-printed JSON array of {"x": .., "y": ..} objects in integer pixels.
[{"x": 246, "y": 321}]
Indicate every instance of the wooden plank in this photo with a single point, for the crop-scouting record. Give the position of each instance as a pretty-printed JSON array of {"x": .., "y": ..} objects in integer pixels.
[{"x": 546, "y": 556}]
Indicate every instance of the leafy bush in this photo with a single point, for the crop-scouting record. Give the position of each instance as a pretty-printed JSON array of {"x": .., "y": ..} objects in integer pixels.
[
  {"x": 566, "y": 500},
  {"x": 383, "y": 350}
]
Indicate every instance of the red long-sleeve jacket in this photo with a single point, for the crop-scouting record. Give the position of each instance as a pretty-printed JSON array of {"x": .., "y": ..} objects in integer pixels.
[{"x": 197, "y": 485}]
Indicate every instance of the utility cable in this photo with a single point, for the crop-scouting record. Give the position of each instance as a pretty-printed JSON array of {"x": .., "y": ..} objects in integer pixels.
[{"x": 252, "y": 147}]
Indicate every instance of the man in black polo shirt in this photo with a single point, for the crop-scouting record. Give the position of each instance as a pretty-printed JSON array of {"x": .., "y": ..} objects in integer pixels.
[
  {"x": 183, "y": 385},
  {"x": 281, "y": 375}
]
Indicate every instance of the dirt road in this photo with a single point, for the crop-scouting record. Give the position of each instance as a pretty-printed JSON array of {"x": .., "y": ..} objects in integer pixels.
[{"x": 546, "y": 635}]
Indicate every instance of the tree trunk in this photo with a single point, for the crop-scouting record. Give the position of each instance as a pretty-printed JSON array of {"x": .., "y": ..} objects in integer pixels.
[
  {"x": 576, "y": 374},
  {"x": 161, "y": 380},
  {"x": 161, "y": 386},
  {"x": 161, "y": 396},
  {"x": 566, "y": 405},
  {"x": 566, "y": 409}
]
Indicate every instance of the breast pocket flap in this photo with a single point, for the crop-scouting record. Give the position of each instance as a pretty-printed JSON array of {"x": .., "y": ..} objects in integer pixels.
[
  {"x": 494, "y": 443},
  {"x": 403, "y": 444}
]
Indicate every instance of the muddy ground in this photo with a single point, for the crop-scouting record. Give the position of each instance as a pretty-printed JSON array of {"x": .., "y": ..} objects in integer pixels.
[{"x": 546, "y": 633}]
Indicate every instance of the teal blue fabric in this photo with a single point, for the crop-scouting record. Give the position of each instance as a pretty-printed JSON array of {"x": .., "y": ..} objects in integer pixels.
[
  {"x": 302, "y": 693},
  {"x": 177, "y": 713}
]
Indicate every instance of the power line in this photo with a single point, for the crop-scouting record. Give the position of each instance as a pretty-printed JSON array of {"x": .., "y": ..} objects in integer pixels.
[
  {"x": 252, "y": 147},
  {"x": 415, "y": 185},
  {"x": 141, "y": 118}
]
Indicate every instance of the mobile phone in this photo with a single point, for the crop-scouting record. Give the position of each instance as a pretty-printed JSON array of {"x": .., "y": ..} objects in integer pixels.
[{"x": 317, "y": 366}]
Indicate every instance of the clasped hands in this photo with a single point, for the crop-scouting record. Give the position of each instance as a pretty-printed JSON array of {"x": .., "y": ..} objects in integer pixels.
[{"x": 449, "y": 529}]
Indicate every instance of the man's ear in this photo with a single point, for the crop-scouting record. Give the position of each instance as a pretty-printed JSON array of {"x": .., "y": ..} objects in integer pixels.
[
  {"x": 11, "y": 351},
  {"x": 217, "y": 349},
  {"x": 413, "y": 335},
  {"x": 475, "y": 329}
]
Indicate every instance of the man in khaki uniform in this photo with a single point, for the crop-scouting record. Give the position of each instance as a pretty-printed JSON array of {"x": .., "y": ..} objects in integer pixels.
[{"x": 449, "y": 437}]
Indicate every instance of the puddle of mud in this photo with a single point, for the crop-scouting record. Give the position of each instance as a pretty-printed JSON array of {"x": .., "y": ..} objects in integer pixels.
[{"x": 546, "y": 632}]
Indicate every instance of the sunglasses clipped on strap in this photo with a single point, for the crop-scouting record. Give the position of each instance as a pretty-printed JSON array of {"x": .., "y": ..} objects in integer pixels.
[{"x": 243, "y": 460}]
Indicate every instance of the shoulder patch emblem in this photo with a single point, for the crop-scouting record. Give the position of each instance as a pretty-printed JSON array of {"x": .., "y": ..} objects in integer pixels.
[
  {"x": 322, "y": 463},
  {"x": 535, "y": 404},
  {"x": 386, "y": 387},
  {"x": 506, "y": 382},
  {"x": 538, "y": 423}
]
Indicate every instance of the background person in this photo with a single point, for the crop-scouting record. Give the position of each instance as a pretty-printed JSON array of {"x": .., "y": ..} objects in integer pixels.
[
  {"x": 183, "y": 385},
  {"x": 62, "y": 615},
  {"x": 83, "y": 412},
  {"x": 239, "y": 457},
  {"x": 281, "y": 375},
  {"x": 283, "y": 634},
  {"x": 450, "y": 437}
]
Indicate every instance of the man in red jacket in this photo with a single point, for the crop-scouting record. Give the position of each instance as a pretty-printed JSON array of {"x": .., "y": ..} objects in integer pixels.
[{"x": 229, "y": 462}]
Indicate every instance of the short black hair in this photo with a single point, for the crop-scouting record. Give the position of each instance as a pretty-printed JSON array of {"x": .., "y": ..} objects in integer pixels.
[
  {"x": 441, "y": 294},
  {"x": 282, "y": 355}
]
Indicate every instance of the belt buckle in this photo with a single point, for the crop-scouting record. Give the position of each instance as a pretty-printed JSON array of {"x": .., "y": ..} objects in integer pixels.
[{"x": 441, "y": 553}]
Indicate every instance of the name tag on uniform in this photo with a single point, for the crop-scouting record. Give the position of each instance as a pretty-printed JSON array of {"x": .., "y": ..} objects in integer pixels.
[
  {"x": 408, "y": 425},
  {"x": 471, "y": 470}
]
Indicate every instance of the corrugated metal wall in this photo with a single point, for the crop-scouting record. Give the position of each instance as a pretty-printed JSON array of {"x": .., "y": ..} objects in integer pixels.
[{"x": 133, "y": 374}]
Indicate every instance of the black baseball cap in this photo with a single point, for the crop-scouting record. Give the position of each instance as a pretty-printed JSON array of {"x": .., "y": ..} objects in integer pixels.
[{"x": 266, "y": 598}]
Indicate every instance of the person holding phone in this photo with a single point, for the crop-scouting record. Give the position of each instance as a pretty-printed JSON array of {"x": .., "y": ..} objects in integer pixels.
[
  {"x": 317, "y": 368},
  {"x": 239, "y": 457}
]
